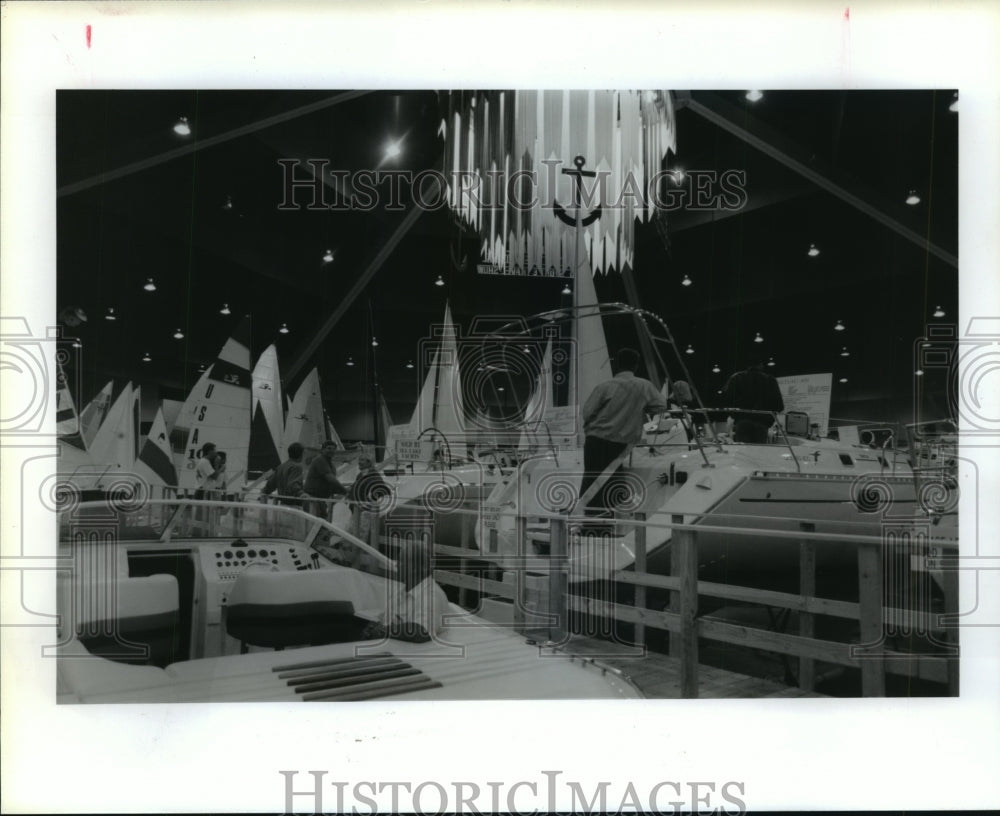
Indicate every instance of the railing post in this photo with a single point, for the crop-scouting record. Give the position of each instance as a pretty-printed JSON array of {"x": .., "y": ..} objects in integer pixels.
[
  {"x": 520, "y": 567},
  {"x": 684, "y": 644},
  {"x": 639, "y": 636},
  {"x": 557, "y": 579},
  {"x": 870, "y": 610},
  {"x": 807, "y": 589}
]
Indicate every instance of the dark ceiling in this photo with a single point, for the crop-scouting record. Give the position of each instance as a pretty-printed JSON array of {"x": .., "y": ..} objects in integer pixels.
[{"x": 832, "y": 168}]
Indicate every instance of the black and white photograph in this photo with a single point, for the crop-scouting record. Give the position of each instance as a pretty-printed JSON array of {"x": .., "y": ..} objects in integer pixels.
[{"x": 510, "y": 393}]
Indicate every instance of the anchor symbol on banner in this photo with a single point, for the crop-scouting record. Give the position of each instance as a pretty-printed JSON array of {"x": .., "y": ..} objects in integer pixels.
[{"x": 578, "y": 175}]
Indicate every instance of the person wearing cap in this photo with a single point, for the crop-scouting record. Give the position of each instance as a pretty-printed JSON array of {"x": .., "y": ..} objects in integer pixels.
[
  {"x": 754, "y": 390},
  {"x": 613, "y": 419}
]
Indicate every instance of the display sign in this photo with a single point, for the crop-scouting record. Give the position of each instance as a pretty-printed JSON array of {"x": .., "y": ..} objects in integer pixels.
[
  {"x": 414, "y": 450},
  {"x": 491, "y": 515},
  {"x": 809, "y": 393}
]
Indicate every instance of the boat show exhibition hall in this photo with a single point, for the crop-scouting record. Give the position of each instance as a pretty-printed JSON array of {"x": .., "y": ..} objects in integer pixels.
[{"x": 599, "y": 394}]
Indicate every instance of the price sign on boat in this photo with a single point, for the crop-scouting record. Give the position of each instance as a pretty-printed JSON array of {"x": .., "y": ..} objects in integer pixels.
[
  {"x": 414, "y": 450},
  {"x": 491, "y": 516}
]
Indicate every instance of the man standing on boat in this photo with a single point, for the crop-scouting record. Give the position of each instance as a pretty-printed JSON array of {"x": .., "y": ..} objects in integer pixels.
[
  {"x": 322, "y": 482},
  {"x": 613, "y": 418},
  {"x": 753, "y": 390},
  {"x": 287, "y": 479}
]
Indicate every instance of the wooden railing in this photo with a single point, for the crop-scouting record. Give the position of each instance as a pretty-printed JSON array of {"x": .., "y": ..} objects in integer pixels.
[{"x": 681, "y": 619}]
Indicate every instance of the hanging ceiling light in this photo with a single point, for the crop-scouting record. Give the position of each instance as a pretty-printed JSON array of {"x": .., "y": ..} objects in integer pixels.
[
  {"x": 839, "y": 325},
  {"x": 843, "y": 379},
  {"x": 689, "y": 349},
  {"x": 758, "y": 338},
  {"x": 953, "y": 107},
  {"x": 500, "y": 388},
  {"x": 283, "y": 329},
  {"x": 813, "y": 251},
  {"x": 918, "y": 373},
  {"x": 111, "y": 314},
  {"x": 912, "y": 198},
  {"x": 716, "y": 369},
  {"x": 754, "y": 96},
  {"x": 844, "y": 352},
  {"x": 566, "y": 290},
  {"x": 328, "y": 256},
  {"x": 770, "y": 362},
  {"x": 146, "y": 358},
  {"x": 183, "y": 127},
  {"x": 178, "y": 335},
  {"x": 228, "y": 204},
  {"x": 685, "y": 281},
  {"x": 225, "y": 309},
  {"x": 409, "y": 363},
  {"x": 76, "y": 344},
  {"x": 350, "y": 361},
  {"x": 149, "y": 286},
  {"x": 201, "y": 368},
  {"x": 939, "y": 312},
  {"x": 374, "y": 342},
  {"x": 439, "y": 281}
]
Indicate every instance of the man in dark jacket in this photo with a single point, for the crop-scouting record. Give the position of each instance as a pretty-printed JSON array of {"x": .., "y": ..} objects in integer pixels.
[
  {"x": 322, "y": 482},
  {"x": 754, "y": 390},
  {"x": 287, "y": 479}
]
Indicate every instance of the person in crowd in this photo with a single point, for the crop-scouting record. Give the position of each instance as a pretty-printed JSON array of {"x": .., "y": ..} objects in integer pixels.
[
  {"x": 322, "y": 482},
  {"x": 365, "y": 494},
  {"x": 752, "y": 389},
  {"x": 288, "y": 479},
  {"x": 613, "y": 418},
  {"x": 209, "y": 470}
]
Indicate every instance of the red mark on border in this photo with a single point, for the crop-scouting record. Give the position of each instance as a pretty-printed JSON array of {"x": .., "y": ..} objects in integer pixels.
[
  {"x": 847, "y": 14},
  {"x": 88, "y": 35}
]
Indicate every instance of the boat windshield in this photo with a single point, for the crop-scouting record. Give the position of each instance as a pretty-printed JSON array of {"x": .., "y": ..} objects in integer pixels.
[{"x": 114, "y": 519}]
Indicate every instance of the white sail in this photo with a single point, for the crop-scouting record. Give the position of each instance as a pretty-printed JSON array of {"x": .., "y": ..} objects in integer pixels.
[
  {"x": 218, "y": 411},
  {"x": 306, "y": 423},
  {"x": 92, "y": 417},
  {"x": 440, "y": 403},
  {"x": 267, "y": 447},
  {"x": 116, "y": 441},
  {"x": 155, "y": 463},
  {"x": 542, "y": 398}
]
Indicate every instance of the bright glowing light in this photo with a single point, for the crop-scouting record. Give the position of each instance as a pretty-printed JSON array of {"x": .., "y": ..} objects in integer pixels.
[
  {"x": 689, "y": 349},
  {"x": 716, "y": 369},
  {"x": 566, "y": 290},
  {"x": 758, "y": 338},
  {"x": 393, "y": 149},
  {"x": 111, "y": 314},
  {"x": 77, "y": 344},
  {"x": 685, "y": 281},
  {"x": 229, "y": 203},
  {"x": 374, "y": 342},
  {"x": 754, "y": 96},
  {"x": 918, "y": 373},
  {"x": 839, "y": 326},
  {"x": 225, "y": 309},
  {"x": 149, "y": 285},
  {"x": 913, "y": 199},
  {"x": 678, "y": 175},
  {"x": 178, "y": 335},
  {"x": 439, "y": 281},
  {"x": 843, "y": 379},
  {"x": 146, "y": 358},
  {"x": 328, "y": 256},
  {"x": 770, "y": 362},
  {"x": 953, "y": 107},
  {"x": 939, "y": 312},
  {"x": 283, "y": 329},
  {"x": 183, "y": 127},
  {"x": 409, "y": 364},
  {"x": 813, "y": 251},
  {"x": 844, "y": 352},
  {"x": 350, "y": 361}
]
